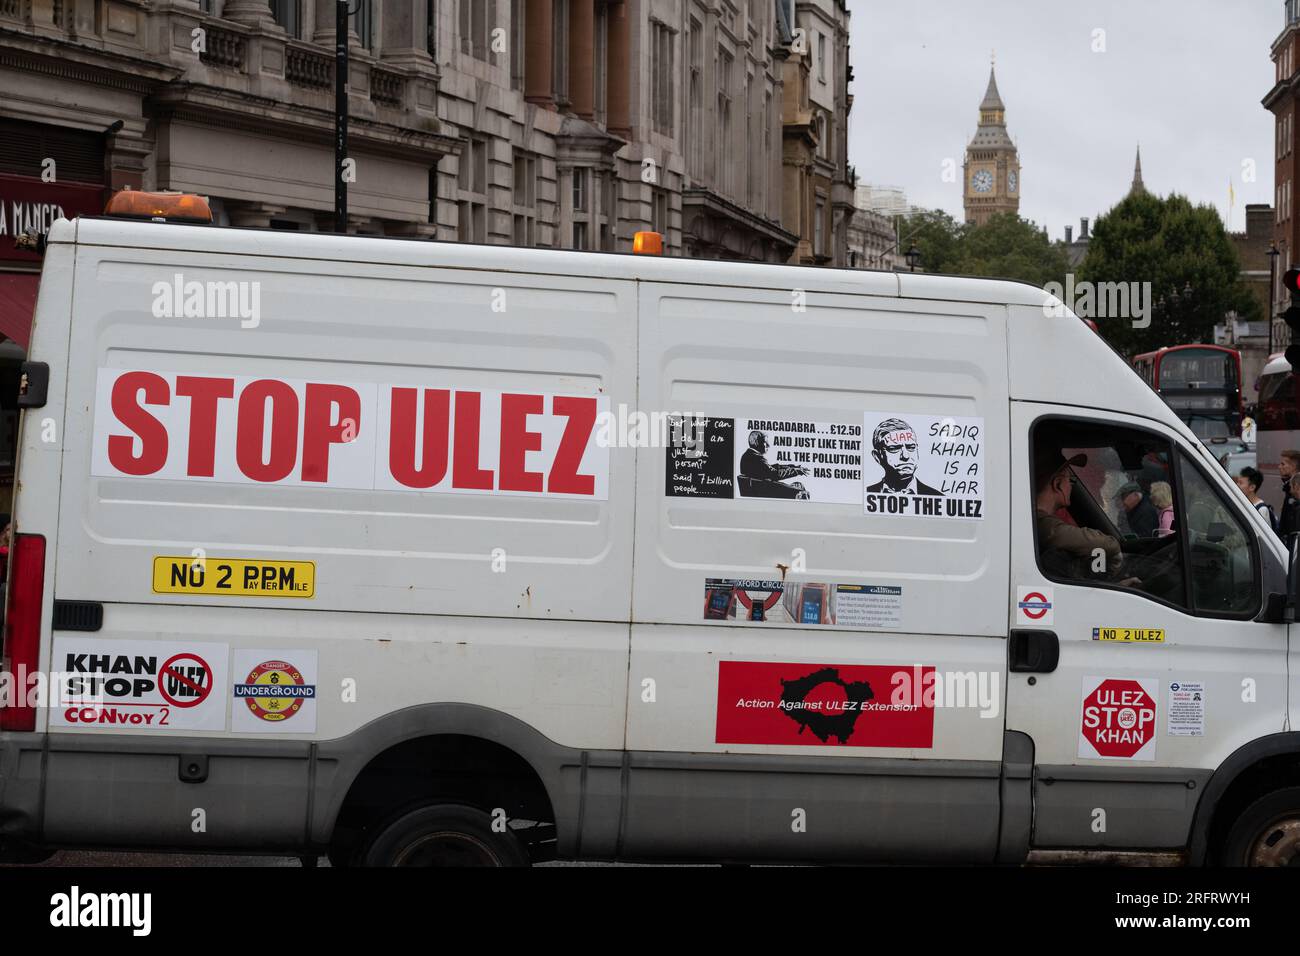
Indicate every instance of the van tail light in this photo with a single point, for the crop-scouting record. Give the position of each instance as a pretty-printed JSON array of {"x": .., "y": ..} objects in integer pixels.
[{"x": 22, "y": 629}]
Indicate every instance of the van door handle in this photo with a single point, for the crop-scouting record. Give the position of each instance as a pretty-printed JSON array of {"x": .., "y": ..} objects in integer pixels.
[{"x": 1036, "y": 652}]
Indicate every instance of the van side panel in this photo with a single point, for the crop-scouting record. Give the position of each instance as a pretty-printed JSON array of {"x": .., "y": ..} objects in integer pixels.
[
  {"x": 746, "y": 354},
  {"x": 512, "y": 603}
]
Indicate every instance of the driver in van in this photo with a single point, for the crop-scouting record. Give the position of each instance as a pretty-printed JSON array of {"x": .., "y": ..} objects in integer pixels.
[{"x": 1054, "y": 482}]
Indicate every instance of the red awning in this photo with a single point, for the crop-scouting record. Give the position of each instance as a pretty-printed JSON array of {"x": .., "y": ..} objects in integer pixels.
[{"x": 17, "y": 304}]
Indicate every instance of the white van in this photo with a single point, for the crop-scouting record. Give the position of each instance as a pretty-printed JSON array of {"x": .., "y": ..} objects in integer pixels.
[{"x": 412, "y": 552}]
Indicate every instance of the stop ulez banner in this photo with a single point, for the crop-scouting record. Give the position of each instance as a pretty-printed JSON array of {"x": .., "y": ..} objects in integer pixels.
[{"x": 246, "y": 429}]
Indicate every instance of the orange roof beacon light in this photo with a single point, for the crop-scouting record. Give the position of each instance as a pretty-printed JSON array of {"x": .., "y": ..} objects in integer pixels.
[
  {"x": 159, "y": 207},
  {"x": 648, "y": 244}
]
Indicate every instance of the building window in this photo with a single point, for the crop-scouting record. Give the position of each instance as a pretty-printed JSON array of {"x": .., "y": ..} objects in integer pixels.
[
  {"x": 580, "y": 235},
  {"x": 751, "y": 158},
  {"x": 363, "y": 23},
  {"x": 608, "y": 212},
  {"x": 695, "y": 129},
  {"x": 560, "y": 51},
  {"x": 433, "y": 194},
  {"x": 819, "y": 228},
  {"x": 722, "y": 173},
  {"x": 659, "y": 213},
  {"x": 525, "y": 230},
  {"x": 524, "y": 197},
  {"x": 431, "y": 28},
  {"x": 599, "y": 67},
  {"x": 823, "y": 136},
  {"x": 580, "y": 190},
  {"x": 767, "y": 144},
  {"x": 661, "y": 73},
  {"x": 472, "y": 183},
  {"x": 518, "y": 27},
  {"x": 474, "y": 27},
  {"x": 287, "y": 13},
  {"x": 821, "y": 57},
  {"x": 525, "y": 179}
]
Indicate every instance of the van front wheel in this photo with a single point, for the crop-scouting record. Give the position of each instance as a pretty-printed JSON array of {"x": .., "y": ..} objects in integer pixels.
[
  {"x": 1267, "y": 833},
  {"x": 442, "y": 834}
]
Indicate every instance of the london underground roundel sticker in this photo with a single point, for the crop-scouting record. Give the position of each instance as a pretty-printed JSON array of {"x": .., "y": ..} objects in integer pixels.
[
  {"x": 274, "y": 691},
  {"x": 1034, "y": 605},
  {"x": 1118, "y": 719}
]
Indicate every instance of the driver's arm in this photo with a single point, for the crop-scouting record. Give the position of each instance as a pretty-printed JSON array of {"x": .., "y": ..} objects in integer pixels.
[{"x": 1081, "y": 542}]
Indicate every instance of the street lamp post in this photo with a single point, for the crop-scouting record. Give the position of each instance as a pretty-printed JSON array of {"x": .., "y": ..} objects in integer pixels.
[
  {"x": 1273, "y": 253},
  {"x": 340, "y": 114}
]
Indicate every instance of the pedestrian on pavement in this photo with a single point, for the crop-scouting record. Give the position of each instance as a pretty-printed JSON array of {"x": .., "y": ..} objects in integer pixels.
[
  {"x": 1143, "y": 519},
  {"x": 1250, "y": 481},
  {"x": 1162, "y": 497},
  {"x": 1288, "y": 522}
]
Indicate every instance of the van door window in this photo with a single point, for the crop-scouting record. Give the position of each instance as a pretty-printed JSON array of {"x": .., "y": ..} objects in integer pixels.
[
  {"x": 1105, "y": 509},
  {"x": 1110, "y": 512},
  {"x": 1223, "y": 576}
]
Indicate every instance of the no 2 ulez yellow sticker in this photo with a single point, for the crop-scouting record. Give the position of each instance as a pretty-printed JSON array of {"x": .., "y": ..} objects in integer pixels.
[
  {"x": 1129, "y": 635},
  {"x": 233, "y": 577}
]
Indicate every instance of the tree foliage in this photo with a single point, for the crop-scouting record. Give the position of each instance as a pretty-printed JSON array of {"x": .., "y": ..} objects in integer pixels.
[
  {"x": 1172, "y": 245},
  {"x": 1006, "y": 247}
]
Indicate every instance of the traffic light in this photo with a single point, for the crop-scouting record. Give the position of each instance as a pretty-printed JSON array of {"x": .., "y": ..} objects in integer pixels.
[{"x": 1291, "y": 281}]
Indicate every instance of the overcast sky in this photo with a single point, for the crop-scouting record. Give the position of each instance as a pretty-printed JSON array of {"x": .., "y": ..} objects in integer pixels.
[{"x": 1183, "y": 77}]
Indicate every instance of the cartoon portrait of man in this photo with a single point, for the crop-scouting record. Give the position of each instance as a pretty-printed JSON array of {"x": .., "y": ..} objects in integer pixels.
[
  {"x": 760, "y": 478},
  {"x": 894, "y": 447}
]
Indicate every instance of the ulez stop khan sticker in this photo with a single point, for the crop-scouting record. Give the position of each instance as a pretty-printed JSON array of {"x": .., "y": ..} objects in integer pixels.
[{"x": 1118, "y": 720}]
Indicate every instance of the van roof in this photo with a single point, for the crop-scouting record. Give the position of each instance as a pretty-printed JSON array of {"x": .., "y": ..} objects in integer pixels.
[{"x": 330, "y": 247}]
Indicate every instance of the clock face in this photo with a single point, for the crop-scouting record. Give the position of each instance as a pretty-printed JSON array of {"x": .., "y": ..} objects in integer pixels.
[
  {"x": 982, "y": 181},
  {"x": 1012, "y": 180}
]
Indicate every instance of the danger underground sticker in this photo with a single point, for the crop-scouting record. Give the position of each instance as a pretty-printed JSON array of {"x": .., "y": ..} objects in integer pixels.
[
  {"x": 275, "y": 692},
  {"x": 109, "y": 685}
]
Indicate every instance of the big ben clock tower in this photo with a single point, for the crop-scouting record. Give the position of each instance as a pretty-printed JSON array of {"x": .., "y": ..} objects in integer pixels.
[{"x": 992, "y": 169}]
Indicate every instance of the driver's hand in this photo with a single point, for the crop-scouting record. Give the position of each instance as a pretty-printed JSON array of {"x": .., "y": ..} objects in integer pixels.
[{"x": 1129, "y": 582}]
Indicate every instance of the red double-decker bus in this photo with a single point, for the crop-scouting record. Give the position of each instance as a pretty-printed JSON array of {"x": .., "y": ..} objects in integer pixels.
[{"x": 1201, "y": 383}]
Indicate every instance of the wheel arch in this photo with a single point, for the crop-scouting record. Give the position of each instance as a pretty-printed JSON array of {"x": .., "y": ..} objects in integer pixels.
[
  {"x": 1254, "y": 769},
  {"x": 341, "y": 764}
]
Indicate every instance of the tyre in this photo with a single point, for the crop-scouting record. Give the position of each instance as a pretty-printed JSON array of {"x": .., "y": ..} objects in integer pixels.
[
  {"x": 441, "y": 834},
  {"x": 1267, "y": 833}
]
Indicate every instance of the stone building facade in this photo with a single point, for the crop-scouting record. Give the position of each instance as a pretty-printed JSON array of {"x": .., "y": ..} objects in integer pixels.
[
  {"x": 1283, "y": 101},
  {"x": 818, "y": 184},
  {"x": 558, "y": 123},
  {"x": 1251, "y": 338}
]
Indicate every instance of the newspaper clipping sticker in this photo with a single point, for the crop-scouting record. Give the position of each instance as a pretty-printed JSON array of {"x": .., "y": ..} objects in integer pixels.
[
  {"x": 805, "y": 461},
  {"x": 863, "y": 606},
  {"x": 923, "y": 466}
]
